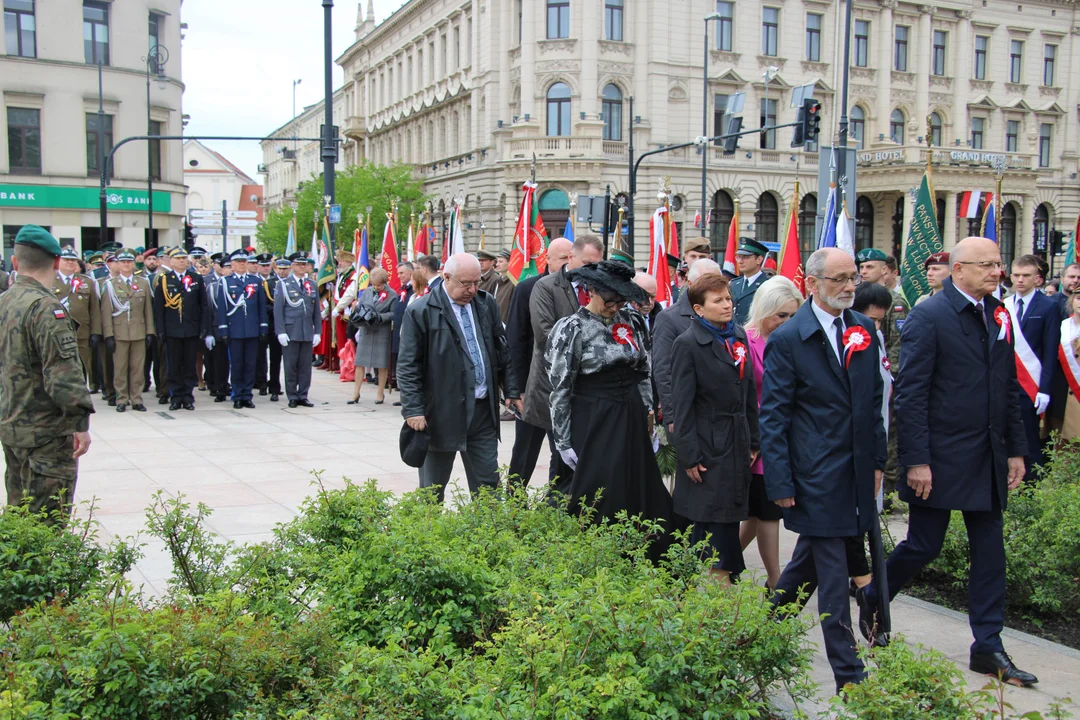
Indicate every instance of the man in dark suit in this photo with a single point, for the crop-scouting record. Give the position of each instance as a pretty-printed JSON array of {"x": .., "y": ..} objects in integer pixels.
[
  {"x": 529, "y": 438},
  {"x": 1070, "y": 279},
  {"x": 452, "y": 366},
  {"x": 824, "y": 437},
  {"x": 1039, "y": 320},
  {"x": 405, "y": 273},
  {"x": 182, "y": 318},
  {"x": 961, "y": 443},
  {"x": 750, "y": 256}
]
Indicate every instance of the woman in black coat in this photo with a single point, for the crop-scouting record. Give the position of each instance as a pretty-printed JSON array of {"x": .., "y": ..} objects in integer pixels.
[{"x": 716, "y": 423}]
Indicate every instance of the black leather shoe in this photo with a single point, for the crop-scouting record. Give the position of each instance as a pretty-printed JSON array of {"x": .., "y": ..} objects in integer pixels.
[
  {"x": 263, "y": 391},
  {"x": 139, "y": 407},
  {"x": 237, "y": 404},
  {"x": 248, "y": 404},
  {"x": 292, "y": 403},
  {"x": 397, "y": 403},
  {"x": 274, "y": 397},
  {"x": 112, "y": 403},
  {"x": 121, "y": 407},
  {"x": 189, "y": 406},
  {"x": 868, "y": 621},
  {"x": 305, "y": 403},
  {"x": 173, "y": 407},
  {"x": 146, "y": 388},
  {"x": 163, "y": 400},
  {"x": 220, "y": 398},
  {"x": 1000, "y": 665},
  {"x": 94, "y": 391}
]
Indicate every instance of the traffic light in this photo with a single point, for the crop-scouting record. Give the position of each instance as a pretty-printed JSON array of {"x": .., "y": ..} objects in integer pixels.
[
  {"x": 1057, "y": 242},
  {"x": 731, "y": 144},
  {"x": 189, "y": 236},
  {"x": 809, "y": 123}
]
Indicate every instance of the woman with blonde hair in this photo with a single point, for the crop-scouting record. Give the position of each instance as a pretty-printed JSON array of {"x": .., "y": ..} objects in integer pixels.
[
  {"x": 373, "y": 315},
  {"x": 775, "y": 302}
]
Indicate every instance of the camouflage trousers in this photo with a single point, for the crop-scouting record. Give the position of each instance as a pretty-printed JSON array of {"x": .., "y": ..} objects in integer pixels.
[
  {"x": 38, "y": 475},
  {"x": 891, "y": 476}
]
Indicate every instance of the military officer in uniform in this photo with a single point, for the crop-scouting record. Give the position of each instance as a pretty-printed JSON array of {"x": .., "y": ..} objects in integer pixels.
[
  {"x": 216, "y": 357},
  {"x": 5, "y": 279},
  {"x": 241, "y": 324},
  {"x": 750, "y": 256},
  {"x": 44, "y": 404},
  {"x": 298, "y": 322},
  {"x": 273, "y": 383},
  {"x": 265, "y": 271},
  {"x": 181, "y": 316},
  {"x": 495, "y": 283},
  {"x": 127, "y": 322},
  {"x": 75, "y": 292}
]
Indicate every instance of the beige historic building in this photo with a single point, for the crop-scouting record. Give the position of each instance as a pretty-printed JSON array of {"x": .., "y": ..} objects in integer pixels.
[
  {"x": 49, "y": 172},
  {"x": 470, "y": 92}
]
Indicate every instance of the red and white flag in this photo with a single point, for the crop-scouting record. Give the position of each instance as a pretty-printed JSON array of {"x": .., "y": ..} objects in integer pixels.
[
  {"x": 697, "y": 218},
  {"x": 658, "y": 264},
  {"x": 970, "y": 202},
  {"x": 388, "y": 258}
]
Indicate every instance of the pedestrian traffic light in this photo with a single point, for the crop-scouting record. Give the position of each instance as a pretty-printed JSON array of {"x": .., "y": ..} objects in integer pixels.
[
  {"x": 809, "y": 123},
  {"x": 731, "y": 144}
]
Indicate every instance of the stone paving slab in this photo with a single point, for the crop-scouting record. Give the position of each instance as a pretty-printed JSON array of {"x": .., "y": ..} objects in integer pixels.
[{"x": 253, "y": 467}]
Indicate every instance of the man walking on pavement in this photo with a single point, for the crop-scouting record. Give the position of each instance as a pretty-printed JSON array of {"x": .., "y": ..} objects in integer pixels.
[
  {"x": 127, "y": 322},
  {"x": 297, "y": 320}
]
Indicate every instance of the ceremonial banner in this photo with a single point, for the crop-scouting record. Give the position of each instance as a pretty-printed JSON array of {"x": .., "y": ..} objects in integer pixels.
[
  {"x": 327, "y": 267},
  {"x": 828, "y": 227},
  {"x": 1070, "y": 251},
  {"x": 923, "y": 241},
  {"x": 363, "y": 263},
  {"x": 730, "y": 266},
  {"x": 290, "y": 243},
  {"x": 990, "y": 225},
  {"x": 454, "y": 242},
  {"x": 528, "y": 256},
  {"x": 844, "y": 241},
  {"x": 388, "y": 259},
  {"x": 658, "y": 264},
  {"x": 790, "y": 263}
]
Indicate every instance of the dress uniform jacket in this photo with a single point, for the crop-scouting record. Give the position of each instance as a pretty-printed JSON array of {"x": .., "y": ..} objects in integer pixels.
[
  {"x": 127, "y": 316},
  {"x": 297, "y": 315},
  {"x": 80, "y": 298},
  {"x": 180, "y": 306},
  {"x": 241, "y": 307},
  {"x": 742, "y": 295}
]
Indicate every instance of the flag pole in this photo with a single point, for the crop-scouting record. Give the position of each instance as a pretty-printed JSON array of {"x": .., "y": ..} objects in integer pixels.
[
  {"x": 332, "y": 322},
  {"x": 618, "y": 229},
  {"x": 411, "y": 249}
]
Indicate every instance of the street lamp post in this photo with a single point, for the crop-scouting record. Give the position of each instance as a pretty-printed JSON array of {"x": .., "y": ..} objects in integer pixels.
[
  {"x": 705, "y": 124},
  {"x": 155, "y": 60},
  {"x": 294, "y": 84}
]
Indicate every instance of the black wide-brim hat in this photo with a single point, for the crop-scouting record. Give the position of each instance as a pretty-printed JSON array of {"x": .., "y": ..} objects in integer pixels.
[
  {"x": 413, "y": 445},
  {"x": 610, "y": 276}
]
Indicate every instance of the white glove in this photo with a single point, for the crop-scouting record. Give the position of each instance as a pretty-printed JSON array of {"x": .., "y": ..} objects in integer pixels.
[
  {"x": 569, "y": 457},
  {"x": 1042, "y": 401},
  {"x": 209, "y": 342},
  {"x": 335, "y": 313},
  {"x": 317, "y": 339},
  {"x": 283, "y": 339},
  {"x": 655, "y": 441},
  {"x": 356, "y": 337}
]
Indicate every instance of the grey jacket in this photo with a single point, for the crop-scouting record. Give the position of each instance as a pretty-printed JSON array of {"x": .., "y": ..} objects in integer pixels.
[
  {"x": 553, "y": 298},
  {"x": 301, "y": 322},
  {"x": 670, "y": 324}
]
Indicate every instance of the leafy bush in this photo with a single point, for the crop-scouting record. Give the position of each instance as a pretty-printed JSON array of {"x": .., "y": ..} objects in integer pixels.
[{"x": 1042, "y": 534}]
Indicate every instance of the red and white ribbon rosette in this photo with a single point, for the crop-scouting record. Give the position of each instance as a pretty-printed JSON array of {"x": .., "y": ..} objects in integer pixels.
[
  {"x": 76, "y": 283},
  {"x": 307, "y": 286},
  {"x": 856, "y": 339},
  {"x": 249, "y": 290},
  {"x": 738, "y": 351},
  {"x": 187, "y": 283},
  {"x": 383, "y": 296},
  {"x": 624, "y": 335},
  {"x": 1001, "y": 317}
]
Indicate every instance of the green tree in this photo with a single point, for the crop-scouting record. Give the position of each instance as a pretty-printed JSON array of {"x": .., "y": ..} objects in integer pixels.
[{"x": 357, "y": 188}]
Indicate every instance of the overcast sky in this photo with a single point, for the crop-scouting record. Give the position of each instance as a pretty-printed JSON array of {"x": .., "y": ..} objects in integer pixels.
[{"x": 241, "y": 56}]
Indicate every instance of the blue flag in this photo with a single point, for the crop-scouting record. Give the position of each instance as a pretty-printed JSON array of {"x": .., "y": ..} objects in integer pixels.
[
  {"x": 828, "y": 224},
  {"x": 990, "y": 221},
  {"x": 568, "y": 232}
]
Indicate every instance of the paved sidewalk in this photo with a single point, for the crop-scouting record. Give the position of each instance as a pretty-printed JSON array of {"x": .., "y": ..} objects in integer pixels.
[{"x": 253, "y": 467}]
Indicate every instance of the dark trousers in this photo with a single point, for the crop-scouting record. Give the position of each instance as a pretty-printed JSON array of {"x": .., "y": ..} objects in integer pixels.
[
  {"x": 986, "y": 581},
  {"x": 242, "y": 353},
  {"x": 260, "y": 363},
  {"x": 820, "y": 563},
  {"x": 480, "y": 457},
  {"x": 528, "y": 439},
  {"x": 274, "y": 383},
  {"x": 180, "y": 367},
  {"x": 296, "y": 357},
  {"x": 1035, "y": 456},
  {"x": 161, "y": 388},
  {"x": 217, "y": 369}
]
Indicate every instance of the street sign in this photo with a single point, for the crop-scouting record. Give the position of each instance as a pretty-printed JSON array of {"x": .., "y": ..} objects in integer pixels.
[
  {"x": 773, "y": 247},
  {"x": 335, "y": 214},
  {"x": 243, "y": 223},
  {"x": 204, "y": 213},
  {"x": 217, "y": 214},
  {"x": 206, "y": 222},
  {"x": 217, "y": 231},
  {"x": 243, "y": 214}
]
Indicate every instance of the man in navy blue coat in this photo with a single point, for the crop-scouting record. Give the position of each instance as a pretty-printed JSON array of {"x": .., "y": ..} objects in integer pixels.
[
  {"x": 1039, "y": 318},
  {"x": 241, "y": 323},
  {"x": 823, "y": 438},
  {"x": 961, "y": 443}
]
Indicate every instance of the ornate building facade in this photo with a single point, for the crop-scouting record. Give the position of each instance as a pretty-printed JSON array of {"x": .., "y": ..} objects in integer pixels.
[{"x": 471, "y": 92}]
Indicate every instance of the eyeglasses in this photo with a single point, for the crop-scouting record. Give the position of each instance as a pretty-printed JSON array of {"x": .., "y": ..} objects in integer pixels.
[
  {"x": 468, "y": 283},
  {"x": 982, "y": 264},
  {"x": 842, "y": 280},
  {"x": 610, "y": 302}
]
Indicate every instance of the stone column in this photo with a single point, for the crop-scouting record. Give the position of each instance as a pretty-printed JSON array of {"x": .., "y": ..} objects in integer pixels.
[
  {"x": 884, "y": 69},
  {"x": 592, "y": 23},
  {"x": 1025, "y": 231},
  {"x": 962, "y": 60},
  {"x": 531, "y": 24},
  {"x": 923, "y": 57},
  {"x": 949, "y": 231},
  {"x": 909, "y": 214}
]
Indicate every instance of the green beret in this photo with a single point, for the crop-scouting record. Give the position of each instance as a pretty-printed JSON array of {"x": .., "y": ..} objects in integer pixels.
[
  {"x": 40, "y": 238},
  {"x": 869, "y": 254}
]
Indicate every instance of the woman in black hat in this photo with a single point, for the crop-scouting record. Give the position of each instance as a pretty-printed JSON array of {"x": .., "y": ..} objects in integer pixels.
[{"x": 601, "y": 400}]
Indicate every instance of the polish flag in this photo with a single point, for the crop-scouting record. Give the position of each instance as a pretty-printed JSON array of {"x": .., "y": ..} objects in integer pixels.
[{"x": 969, "y": 203}]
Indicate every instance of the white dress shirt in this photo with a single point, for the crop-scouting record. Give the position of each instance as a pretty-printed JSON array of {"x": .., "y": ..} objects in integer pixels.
[
  {"x": 827, "y": 324},
  {"x": 479, "y": 391}
]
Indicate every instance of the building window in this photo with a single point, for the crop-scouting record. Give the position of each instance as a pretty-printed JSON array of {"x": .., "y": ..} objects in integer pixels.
[
  {"x": 937, "y": 64},
  {"x": 1046, "y": 131},
  {"x": 768, "y": 119},
  {"x": 24, "y": 141},
  {"x": 723, "y": 211},
  {"x": 862, "y": 43},
  {"x": 857, "y": 126},
  {"x": 558, "y": 110},
  {"x": 521, "y": 19},
  {"x": 726, "y": 11},
  {"x": 807, "y": 225},
  {"x": 1016, "y": 57},
  {"x": 864, "y": 223},
  {"x": 719, "y": 109},
  {"x": 613, "y": 20},
  {"x": 96, "y": 32},
  {"x": 935, "y": 129},
  {"x": 92, "y": 167},
  {"x": 155, "y": 149},
  {"x": 982, "y": 44},
  {"x": 457, "y": 51},
  {"x": 1049, "y": 55},
  {"x": 813, "y": 37},
  {"x": 900, "y": 48},
  {"x": 770, "y": 31},
  {"x": 896, "y": 126},
  {"x": 155, "y": 30},
  {"x": 611, "y": 112},
  {"x": 977, "y": 125},
  {"x": 1042, "y": 228},
  {"x": 766, "y": 218},
  {"x": 1012, "y": 135},
  {"x": 19, "y": 28},
  {"x": 558, "y": 19}
]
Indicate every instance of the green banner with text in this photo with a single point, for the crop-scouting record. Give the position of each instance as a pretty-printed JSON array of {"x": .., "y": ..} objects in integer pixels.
[
  {"x": 79, "y": 198},
  {"x": 923, "y": 241}
]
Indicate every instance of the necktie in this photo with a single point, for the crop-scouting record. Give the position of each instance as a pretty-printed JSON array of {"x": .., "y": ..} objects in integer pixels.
[
  {"x": 839, "y": 325},
  {"x": 582, "y": 296},
  {"x": 981, "y": 313},
  {"x": 1019, "y": 310},
  {"x": 474, "y": 348}
]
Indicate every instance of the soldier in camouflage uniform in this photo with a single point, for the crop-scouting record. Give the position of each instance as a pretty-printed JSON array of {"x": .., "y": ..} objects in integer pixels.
[{"x": 44, "y": 404}]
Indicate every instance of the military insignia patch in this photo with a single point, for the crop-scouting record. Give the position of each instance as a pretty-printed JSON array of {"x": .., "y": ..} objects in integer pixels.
[{"x": 59, "y": 314}]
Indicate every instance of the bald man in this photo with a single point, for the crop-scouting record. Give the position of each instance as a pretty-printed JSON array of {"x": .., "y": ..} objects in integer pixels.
[
  {"x": 649, "y": 309},
  {"x": 962, "y": 443}
]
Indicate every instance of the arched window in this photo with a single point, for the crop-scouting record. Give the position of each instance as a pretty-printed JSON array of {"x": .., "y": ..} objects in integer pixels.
[
  {"x": 857, "y": 126},
  {"x": 611, "y": 112},
  {"x": 1007, "y": 235},
  {"x": 864, "y": 223},
  {"x": 808, "y": 225},
  {"x": 555, "y": 210},
  {"x": 558, "y": 110},
  {"x": 766, "y": 218},
  {"x": 896, "y": 126},
  {"x": 723, "y": 210},
  {"x": 935, "y": 129},
  {"x": 941, "y": 217},
  {"x": 1041, "y": 239}
]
